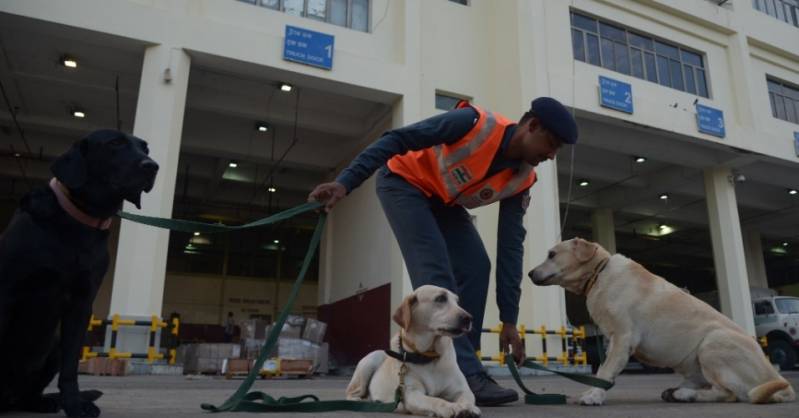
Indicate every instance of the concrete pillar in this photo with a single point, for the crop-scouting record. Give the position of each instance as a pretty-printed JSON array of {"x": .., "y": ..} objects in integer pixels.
[
  {"x": 603, "y": 229},
  {"x": 755, "y": 262},
  {"x": 728, "y": 251},
  {"x": 142, "y": 251}
]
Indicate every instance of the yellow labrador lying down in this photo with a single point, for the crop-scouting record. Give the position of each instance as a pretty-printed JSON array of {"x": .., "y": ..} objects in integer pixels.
[
  {"x": 663, "y": 326},
  {"x": 434, "y": 385}
]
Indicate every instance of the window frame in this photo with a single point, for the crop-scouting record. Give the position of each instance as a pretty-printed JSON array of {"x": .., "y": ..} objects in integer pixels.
[
  {"x": 786, "y": 11},
  {"x": 449, "y": 95},
  {"x": 788, "y": 94},
  {"x": 281, "y": 7},
  {"x": 659, "y": 58}
]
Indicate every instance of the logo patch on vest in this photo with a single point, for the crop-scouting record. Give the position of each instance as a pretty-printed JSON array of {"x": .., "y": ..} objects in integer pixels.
[{"x": 461, "y": 175}]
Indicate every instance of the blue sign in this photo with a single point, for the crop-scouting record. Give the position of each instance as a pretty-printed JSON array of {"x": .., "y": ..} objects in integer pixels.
[
  {"x": 710, "y": 121},
  {"x": 615, "y": 94},
  {"x": 308, "y": 47},
  {"x": 796, "y": 143}
]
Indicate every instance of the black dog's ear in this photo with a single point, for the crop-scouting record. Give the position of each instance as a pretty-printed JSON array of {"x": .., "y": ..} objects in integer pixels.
[{"x": 70, "y": 167}]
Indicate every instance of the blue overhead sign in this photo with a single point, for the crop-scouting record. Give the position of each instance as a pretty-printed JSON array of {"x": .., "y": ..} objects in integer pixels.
[
  {"x": 615, "y": 94},
  {"x": 710, "y": 121},
  {"x": 308, "y": 47}
]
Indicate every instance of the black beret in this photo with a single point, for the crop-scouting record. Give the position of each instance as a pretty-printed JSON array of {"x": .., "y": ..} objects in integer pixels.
[{"x": 555, "y": 118}]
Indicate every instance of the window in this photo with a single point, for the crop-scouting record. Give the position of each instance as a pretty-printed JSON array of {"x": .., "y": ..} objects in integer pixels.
[
  {"x": 785, "y": 10},
  {"x": 619, "y": 49},
  {"x": 446, "y": 101},
  {"x": 784, "y": 100},
  {"x": 764, "y": 307},
  {"x": 787, "y": 305},
  {"x": 352, "y": 14},
  {"x": 463, "y": 2}
]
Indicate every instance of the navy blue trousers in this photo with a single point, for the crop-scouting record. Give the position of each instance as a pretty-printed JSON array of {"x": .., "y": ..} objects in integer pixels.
[{"x": 441, "y": 247}]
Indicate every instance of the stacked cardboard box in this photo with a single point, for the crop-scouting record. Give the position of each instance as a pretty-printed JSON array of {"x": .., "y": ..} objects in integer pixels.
[
  {"x": 103, "y": 366},
  {"x": 207, "y": 358}
]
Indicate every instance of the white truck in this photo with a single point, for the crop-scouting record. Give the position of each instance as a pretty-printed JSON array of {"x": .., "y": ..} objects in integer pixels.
[{"x": 777, "y": 319}]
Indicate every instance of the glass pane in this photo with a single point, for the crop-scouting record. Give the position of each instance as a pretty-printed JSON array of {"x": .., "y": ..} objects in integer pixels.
[
  {"x": 701, "y": 83},
  {"x": 637, "y": 62},
  {"x": 577, "y": 45},
  {"x": 248, "y": 1},
  {"x": 690, "y": 85},
  {"x": 773, "y": 104},
  {"x": 790, "y": 110},
  {"x": 663, "y": 71},
  {"x": 780, "y": 107},
  {"x": 787, "y": 306},
  {"x": 676, "y": 75},
  {"x": 640, "y": 41},
  {"x": 316, "y": 9},
  {"x": 583, "y": 22},
  {"x": 775, "y": 87},
  {"x": 607, "y": 54},
  {"x": 272, "y": 4},
  {"x": 293, "y": 7},
  {"x": 667, "y": 50},
  {"x": 691, "y": 58},
  {"x": 622, "y": 59},
  {"x": 593, "y": 49},
  {"x": 360, "y": 15},
  {"x": 612, "y": 32},
  {"x": 651, "y": 69},
  {"x": 445, "y": 102},
  {"x": 338, "y": 12}
]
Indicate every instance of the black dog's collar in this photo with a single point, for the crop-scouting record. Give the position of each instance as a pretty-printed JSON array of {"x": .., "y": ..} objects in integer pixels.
[{"x": 412, "y": 357}]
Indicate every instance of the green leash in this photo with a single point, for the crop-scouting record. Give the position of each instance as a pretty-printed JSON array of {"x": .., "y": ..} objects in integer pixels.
[
  {"x": 241, "y": 401},
  {"x": 533, "y": 398}
]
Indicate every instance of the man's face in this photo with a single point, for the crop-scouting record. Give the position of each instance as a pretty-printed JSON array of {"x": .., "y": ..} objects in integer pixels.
[{"x": 539, "y": 144}]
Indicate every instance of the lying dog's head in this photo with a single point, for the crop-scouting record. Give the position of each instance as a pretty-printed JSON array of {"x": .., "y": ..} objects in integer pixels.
[
  {"x": 569, "y": 265},
  {"x": 433, "y": 309},
  {"x": 105, "y": 168}
]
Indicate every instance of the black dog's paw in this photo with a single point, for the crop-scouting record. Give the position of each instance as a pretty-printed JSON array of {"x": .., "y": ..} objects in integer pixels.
[
  {"x": 668, "y": 395},
  {"x": 81, "y": 409}
]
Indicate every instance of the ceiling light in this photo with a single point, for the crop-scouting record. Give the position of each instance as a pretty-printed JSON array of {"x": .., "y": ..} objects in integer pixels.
[
  {"x": 196, "y": 234},
  {"x": 584, "y": 183},
  {"x": 271, "y": 189},
  {"x": 662, "y": 226},
  {"x": 285, "y": 87},
  {"x": 664, "y": 196},
  {"x": 233, "y": 164},
  {"x": 784, "y": 244},
  {"x": 69, "y": 62},
  {"x": 78, "y": 113},
  {"x": 277, "y": 241},
  {"x": 261, "y": 126},
  {"x": 792, "y": 191},
  {"x": 16, "y": 154},
  {"x": 640, "y": 160}
]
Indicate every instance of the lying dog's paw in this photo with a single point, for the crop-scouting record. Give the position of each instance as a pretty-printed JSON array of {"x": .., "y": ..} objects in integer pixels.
[
  {"x": 668, "y": 395},
  {"x": 468, "y": 412},
  {"x": 684, "y": 395},
  {"x": 79, "y": 408},
  {"x": 593, "y": 396}
]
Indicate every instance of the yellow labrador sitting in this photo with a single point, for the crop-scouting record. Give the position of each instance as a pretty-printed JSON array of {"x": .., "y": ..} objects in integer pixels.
[
  {"x": 434, "y": 385},
  {"x": 663, "y": 326}
]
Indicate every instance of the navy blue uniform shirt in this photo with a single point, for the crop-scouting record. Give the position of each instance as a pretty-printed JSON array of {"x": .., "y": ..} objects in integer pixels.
[{"x": 447, "y": 128}]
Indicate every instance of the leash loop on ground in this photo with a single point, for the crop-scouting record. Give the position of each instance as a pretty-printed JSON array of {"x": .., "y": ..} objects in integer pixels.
[{"x": 550, "y": 398}]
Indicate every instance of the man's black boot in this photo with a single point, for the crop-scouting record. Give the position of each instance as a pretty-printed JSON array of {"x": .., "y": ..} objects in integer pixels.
[{"x": 487, "y": 392}]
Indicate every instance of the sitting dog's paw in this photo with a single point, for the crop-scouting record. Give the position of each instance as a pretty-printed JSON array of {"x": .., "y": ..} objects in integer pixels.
[
  {"x": 470, "y": 411},
  {"x": 593, "y": 396},
  {"x": 79, "y": 408}
]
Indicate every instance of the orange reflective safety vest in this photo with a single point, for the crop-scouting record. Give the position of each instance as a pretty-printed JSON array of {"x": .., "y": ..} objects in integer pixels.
[{"x": 456, "y": 173}]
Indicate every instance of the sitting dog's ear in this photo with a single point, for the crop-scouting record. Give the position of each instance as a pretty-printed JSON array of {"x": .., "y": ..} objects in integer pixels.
[
  {"x": 402, "y": 316},
  {"x": 584, "y": 250},
  {"x": 70, "y": 167}
]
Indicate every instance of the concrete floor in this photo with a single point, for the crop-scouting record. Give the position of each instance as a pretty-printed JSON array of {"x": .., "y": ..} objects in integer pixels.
[{"x": 635, "y": 395}]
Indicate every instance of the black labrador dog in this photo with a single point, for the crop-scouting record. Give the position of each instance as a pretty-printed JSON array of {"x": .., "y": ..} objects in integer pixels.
[{"x": 53, "y": 256}]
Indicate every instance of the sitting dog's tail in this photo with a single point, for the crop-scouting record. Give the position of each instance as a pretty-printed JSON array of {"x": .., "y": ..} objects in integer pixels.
[
  {"x": 358, "y": 389},
  {"x": 773, "y": 391}
]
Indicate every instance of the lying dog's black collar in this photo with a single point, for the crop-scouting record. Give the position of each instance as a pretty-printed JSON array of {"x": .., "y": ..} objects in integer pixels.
[{"x": 412, "y": 357}]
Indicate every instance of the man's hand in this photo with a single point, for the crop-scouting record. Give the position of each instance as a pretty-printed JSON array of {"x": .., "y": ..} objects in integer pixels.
[
  {"x": 328, "y": 194},
  {"x": 509, "y": 338}
]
